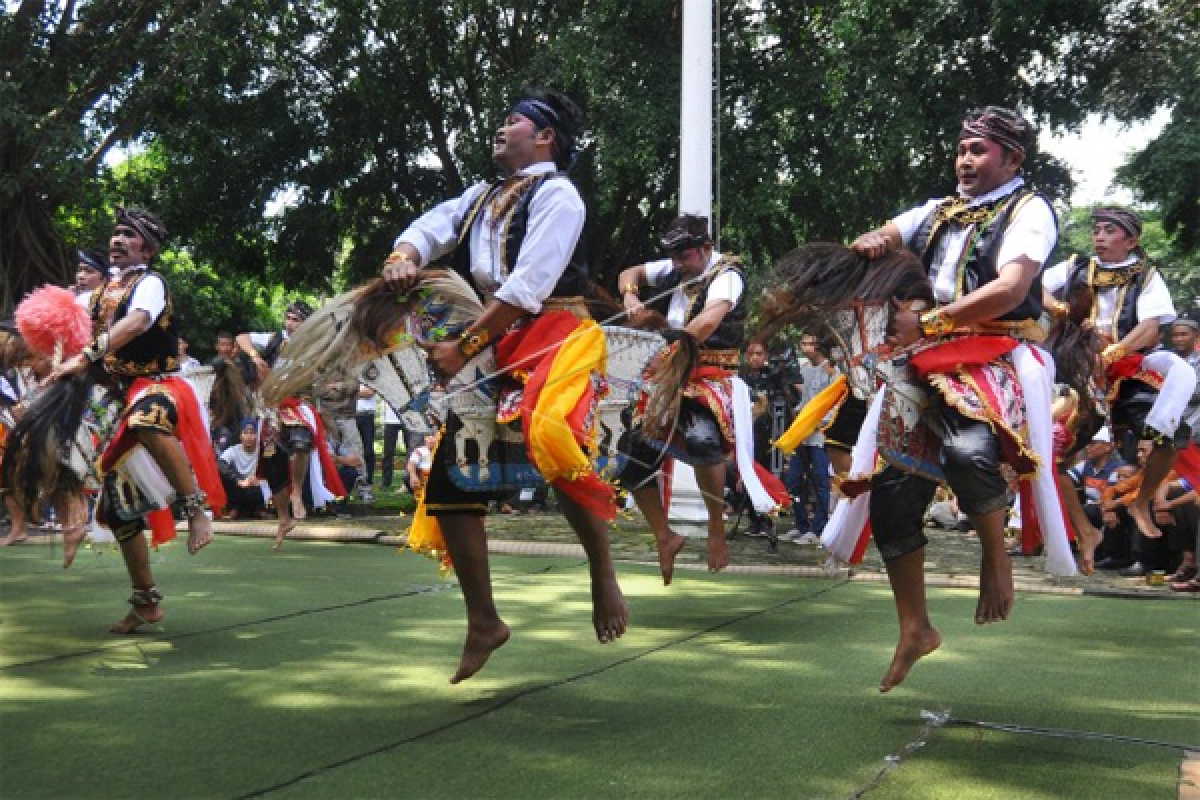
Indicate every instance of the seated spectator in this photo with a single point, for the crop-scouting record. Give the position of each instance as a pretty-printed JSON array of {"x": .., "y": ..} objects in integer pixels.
[
  {"x": 238, "y": 464},
  {"x": 1179, "y": 516},
  {"x": 943, "y": 512},
  {"x": 348, "y": 459}
]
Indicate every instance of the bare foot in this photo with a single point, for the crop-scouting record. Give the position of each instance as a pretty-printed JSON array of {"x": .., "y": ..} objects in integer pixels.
[
  {"x": 718, "y": 553},
  {"x": 298, "y": 509},
  {"x": 610, "y": 615},
  {"x": 281, "y": 532},
  {"x": 478, "y": 648},
  {"x": 73, "y": 536},
  {"x": 199, "y": 532},
  {"x": 1089, "y": 540},
  {"x": 136, "y": 618},
  {"x": 13, "y": 538},
  {"x": 668, "y": 548},
  {"x": 909, "y": 649},
  {"x": 1140, "y": 513},
  {"x": 996, "y": 592}
]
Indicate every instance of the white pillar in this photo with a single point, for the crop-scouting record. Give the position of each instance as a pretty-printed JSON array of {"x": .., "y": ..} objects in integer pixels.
[
  {"x": 695, "y": 197},
  {"x": 696, "y": 110}
]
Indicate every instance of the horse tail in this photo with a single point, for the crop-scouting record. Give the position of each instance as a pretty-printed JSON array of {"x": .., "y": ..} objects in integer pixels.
[
  {"x": 35, "y": 454},
  {"x": 1073, "y": 343},
  {"x": 663, "y": 402},
  {"x": 227, "y": 401}
]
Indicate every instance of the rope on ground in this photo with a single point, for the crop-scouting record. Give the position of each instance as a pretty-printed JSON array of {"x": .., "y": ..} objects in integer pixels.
[
  {"x": 940, "y": 719},
  {"x": 1060, "y": 733},
  {"x": 533, "y": 690},
  {"x": 933, "y": 721}
]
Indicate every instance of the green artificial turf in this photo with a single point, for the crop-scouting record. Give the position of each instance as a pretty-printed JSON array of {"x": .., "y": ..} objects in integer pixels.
[{"x": 322, "y": 671}]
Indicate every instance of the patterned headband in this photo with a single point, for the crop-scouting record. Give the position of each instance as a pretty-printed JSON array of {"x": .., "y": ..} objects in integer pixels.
[
  {"x": 1124, "y": 219},
  {"x": 93, "y": 261},
  {"x": 1000, "y": 130},
  {"x": 150, "y": 229}
]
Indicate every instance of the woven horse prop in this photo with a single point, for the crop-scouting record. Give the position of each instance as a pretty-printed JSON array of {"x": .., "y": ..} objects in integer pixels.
[
  {"x": 372, "y": 335},
  {"x": 830, "y": 287}
]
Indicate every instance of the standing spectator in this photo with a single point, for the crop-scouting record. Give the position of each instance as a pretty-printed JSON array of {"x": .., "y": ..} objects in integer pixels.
[
  {"x": 392, "y": 430},
  {"x": 364, "y": 418},
  {"x": 227, "y": 349},
  {"x": 238, "y": 465},
  {"x": 808, "y": 468},
  {"x": 765, "y": 384}
]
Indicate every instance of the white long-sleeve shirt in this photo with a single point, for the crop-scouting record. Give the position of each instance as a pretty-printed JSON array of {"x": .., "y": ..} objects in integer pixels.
[{"x": 556, "y": 217}]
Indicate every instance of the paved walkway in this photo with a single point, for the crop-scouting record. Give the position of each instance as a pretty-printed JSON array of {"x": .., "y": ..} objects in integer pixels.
[{"x": 952, "y": 557}]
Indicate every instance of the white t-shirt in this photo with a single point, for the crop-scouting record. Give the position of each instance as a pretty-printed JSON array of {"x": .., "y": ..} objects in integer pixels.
[
  {"x": 1154, "y": 301},
  {"x": 260, "y": 339},
  {"x": 1032, "y": 232},
  {"x": 727, "y": 287},
  {"x": 243, "y": 461},
  {"x": 150, "y": 295},
  {"x": 556, "y": 217}
]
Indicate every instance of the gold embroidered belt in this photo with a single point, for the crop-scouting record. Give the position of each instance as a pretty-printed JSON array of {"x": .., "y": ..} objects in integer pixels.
[
  {"x": 576, "y": 305},
  {"x": 1026, "y": 329},
  {"x": 726, "y": 359}
]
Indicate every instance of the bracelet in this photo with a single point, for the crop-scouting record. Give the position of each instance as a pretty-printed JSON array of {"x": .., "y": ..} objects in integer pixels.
[
  {"x": 936, "y": 322},
  {"x": 629, "y": 288},
  {"x": 398, "y": 255},
  {"x": 1114, "y": 352},
  {"x": 1058, "y": 308},
  {"x": 472, "y": 343},
  {"x": 97, "y": 349}
]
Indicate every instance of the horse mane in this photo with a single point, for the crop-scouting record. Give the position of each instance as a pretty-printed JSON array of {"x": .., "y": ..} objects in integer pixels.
[
  {"x": 362, "y": 325},
  {"x": 820, "y": 277}
]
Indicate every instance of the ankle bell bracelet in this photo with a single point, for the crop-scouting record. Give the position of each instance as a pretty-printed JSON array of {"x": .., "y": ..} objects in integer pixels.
[{"x": 192, "y": 504}]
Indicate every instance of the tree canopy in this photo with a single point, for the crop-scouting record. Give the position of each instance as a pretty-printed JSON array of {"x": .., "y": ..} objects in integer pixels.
[{"x": 286, "y": 143}]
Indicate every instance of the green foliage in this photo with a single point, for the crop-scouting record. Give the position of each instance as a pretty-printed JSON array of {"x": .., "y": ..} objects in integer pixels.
[
  {"x": 207, "y": 304},
  {"x": 287, "y": 142}
]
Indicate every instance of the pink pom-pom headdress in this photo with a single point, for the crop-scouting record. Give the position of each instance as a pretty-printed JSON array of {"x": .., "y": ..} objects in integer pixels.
[{"x": 52, "y": 323}]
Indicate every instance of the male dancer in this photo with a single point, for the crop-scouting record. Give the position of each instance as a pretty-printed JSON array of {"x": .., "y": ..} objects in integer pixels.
[
  {"x": 1148, "y": 388},
  {"x": 703, "y": 289},
  {"x": 984, "y": 249},
  {"x": 136, "y": 346},
  {"x": 515, "y": 242}
]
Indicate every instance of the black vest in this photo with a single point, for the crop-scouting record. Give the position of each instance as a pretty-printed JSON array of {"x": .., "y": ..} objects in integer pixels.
[
  {"x": 152, "y": 352},
  {"x": 1080, "y": 271},
  {"x": 731, "y": 333},
  {"x": 574, "y": 280},
  {"x": 983, "y": 246},
  {"x": 271, "y": 351}
]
